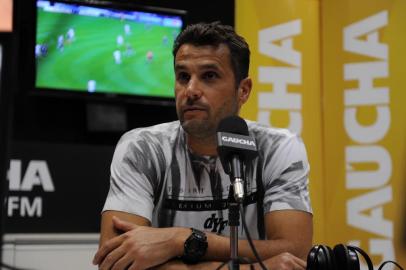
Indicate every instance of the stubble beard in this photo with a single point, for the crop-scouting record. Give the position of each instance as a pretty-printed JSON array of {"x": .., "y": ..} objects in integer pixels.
[
  {"x": 199, "y": 128},
  {"x": 206, "y": 128}
]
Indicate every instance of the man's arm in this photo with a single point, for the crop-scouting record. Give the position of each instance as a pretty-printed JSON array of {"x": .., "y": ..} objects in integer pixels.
[
  {"x": 287, "y": 231},
  {"x": 108, "y": 231},
  {"x": 289, "y": 234},
  {"x": 128, "y": 242},
  {"x": 291, "y": 231}
]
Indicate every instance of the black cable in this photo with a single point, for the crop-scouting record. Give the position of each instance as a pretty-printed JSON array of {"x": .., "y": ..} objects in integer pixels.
[
  {"x": 254, "y": 250},
  {"x": 385, "y": 262}
]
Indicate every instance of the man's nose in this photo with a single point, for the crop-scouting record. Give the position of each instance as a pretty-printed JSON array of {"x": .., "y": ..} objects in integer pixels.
[{"x": 193, "y": 89}]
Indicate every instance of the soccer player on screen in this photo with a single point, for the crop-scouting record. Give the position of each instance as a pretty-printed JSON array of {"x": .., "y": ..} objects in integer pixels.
[
  {"x": 60, "y": 43},
  {"x": 150, "y": 56},
  {"x": 120, "y": 40},
  {"x": 70, "y": 35},
  {"x": 117, "y": 57},
  {"x": 128, "y": 50},
  {"x": 165, "y": 40},
  {"x": 127, "y": 29},
  {"x": 38, "y": 50}
]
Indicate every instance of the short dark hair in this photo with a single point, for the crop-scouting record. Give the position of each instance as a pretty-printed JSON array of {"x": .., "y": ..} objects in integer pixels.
[{"x": 214, "y": 34}]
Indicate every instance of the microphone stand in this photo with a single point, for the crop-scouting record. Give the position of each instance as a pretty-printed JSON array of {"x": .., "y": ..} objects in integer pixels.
[{"x": 233, "y": 222}]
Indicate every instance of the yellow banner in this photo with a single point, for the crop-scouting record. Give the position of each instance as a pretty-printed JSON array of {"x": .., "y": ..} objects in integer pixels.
[
  {"x": 364, "y": 83},
  {"x": 285, "y": 67}
]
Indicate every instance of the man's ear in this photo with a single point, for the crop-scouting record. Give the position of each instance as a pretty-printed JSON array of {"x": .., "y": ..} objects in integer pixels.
[{"x": 244, "y": 90}]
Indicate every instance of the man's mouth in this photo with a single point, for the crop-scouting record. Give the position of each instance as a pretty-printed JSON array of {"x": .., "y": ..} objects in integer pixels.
[{"x": 192, "y": 111}]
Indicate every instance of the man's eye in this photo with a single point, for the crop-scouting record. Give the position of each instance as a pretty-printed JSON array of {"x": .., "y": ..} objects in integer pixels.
[
  {"x": 182, "y": 76},
  {"x": 210, "y": 75}
]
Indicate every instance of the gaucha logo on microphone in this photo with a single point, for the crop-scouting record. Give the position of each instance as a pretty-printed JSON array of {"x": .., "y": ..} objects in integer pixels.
[{"x": 238, "y": 140}]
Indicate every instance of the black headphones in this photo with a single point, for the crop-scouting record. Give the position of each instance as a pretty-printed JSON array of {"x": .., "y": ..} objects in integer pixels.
[{"x": 341, "y": 257}]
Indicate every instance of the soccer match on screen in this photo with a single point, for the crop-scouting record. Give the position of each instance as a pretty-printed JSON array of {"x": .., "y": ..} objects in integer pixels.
[{"x": 94, "y": 49}]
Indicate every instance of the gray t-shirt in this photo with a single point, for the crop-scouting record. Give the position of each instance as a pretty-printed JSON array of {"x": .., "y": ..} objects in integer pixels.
[{"x": 156, "y": 176}]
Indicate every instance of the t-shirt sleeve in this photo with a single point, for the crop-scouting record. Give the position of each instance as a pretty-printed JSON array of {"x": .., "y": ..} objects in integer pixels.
[
  {"x": 286, "y": 175},
  {"x": 132, "y": 177}
]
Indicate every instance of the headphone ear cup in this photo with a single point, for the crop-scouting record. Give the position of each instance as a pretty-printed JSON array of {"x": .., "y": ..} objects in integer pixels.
[
  {"x": 331, "y": 265},
  {"x": 311, "y": 258},
  {"x": 368, "y": 260},
  {"x": 320, "y": 257},
  {"x": 345, "y": 258}
]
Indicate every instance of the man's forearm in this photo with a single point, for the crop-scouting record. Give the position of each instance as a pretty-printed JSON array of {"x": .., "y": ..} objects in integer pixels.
[
  {"x": 289, "y": 231},
  {"x": 219, "y": 248},
  {"x": 153, "y": 246}
]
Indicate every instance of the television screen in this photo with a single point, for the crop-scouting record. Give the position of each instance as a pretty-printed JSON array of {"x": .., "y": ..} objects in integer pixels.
[{"x": 104, "y": 49}]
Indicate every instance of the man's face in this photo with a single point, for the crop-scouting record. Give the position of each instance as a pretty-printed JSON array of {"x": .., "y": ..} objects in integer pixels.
[{"x": 205, "y": 88}]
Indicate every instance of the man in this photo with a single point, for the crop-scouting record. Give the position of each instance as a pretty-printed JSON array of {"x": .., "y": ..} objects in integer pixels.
[{"x": 169, "y": 176}]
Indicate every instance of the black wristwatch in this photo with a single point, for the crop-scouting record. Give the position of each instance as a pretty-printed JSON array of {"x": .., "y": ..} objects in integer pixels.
[{"x": 195, "y": 247}]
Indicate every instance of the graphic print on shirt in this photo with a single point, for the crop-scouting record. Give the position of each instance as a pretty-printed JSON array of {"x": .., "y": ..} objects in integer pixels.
[{"x": 154, "y": 175}]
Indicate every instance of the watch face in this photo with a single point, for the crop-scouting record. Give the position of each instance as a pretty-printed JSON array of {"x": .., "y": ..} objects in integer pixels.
[
  {"x": 201, "y": 236},
  {"x": 195, "y": 246}
]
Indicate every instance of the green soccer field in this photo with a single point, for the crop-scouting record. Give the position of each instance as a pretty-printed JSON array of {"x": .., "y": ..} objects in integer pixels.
[{"x": 90, "y": 55}]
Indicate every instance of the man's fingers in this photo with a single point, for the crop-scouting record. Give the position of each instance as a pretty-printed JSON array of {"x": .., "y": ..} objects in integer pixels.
[
  {"x": 301, "y": 262},
  {"x": 298, "y": 263},
  {"x": 123, "y": 225},
  {"x": 123, "y": 263},
  {"x": 287, "y": 260},
  {"x": 109, "y": 262},
  {"x": 106, "y": 249},
  {"x": 108, "y": 254}
]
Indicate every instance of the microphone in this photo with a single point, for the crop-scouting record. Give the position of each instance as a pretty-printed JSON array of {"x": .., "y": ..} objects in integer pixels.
[{"x": 235, "y": 148}]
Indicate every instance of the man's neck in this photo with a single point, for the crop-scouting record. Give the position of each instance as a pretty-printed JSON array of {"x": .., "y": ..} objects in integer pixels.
[{"x": 202, "y": 146}]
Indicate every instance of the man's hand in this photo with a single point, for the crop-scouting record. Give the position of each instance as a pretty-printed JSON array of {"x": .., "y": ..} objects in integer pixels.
[{"x": 139, "y": 247}]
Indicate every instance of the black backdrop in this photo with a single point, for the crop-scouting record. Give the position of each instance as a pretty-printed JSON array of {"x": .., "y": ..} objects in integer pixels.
[
  {"x": 6, "y": 79},
  {"x": 52, "y": 141}
]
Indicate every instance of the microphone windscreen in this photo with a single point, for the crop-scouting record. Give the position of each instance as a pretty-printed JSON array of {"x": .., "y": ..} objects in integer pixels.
[
  {"x": 233, "y": 124},
  {"x": 233, "y": 140}
]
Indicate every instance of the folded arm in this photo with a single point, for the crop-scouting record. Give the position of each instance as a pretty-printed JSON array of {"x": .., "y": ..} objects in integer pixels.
[
  {"x": 127, "y": 240},
  {"x": 286, "y": 230}
]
